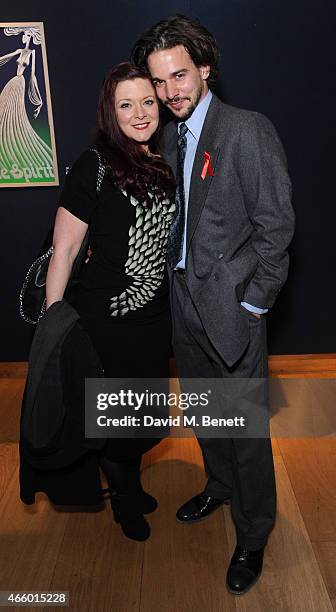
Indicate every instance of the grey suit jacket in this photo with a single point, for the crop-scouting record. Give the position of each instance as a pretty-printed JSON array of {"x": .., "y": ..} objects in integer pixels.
[{"x": 240, "y": 222}]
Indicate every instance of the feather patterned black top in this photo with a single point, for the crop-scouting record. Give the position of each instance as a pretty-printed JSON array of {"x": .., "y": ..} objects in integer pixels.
[{"x": 126, "y": 275}]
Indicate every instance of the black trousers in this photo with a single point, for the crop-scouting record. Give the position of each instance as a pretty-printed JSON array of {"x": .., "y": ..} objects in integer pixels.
[{"x": 241, "y": 468}]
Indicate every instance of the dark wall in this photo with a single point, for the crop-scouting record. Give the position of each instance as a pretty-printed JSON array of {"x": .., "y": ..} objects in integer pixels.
[{"x": 276, "y": 57}]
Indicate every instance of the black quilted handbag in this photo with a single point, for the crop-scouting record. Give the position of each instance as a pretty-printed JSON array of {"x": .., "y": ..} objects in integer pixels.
[{"x": 32, "y": 294}]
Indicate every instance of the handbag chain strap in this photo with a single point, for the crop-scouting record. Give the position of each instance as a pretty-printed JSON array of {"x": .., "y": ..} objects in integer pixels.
[{"x": 101, "y": 171}]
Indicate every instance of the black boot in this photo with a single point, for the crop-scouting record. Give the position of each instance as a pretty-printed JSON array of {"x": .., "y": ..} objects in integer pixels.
[
  {"x": 125, "y": 512},
  {"x": 128, "y": 499},
  {"x": 144, "y": 501},
  {"x": 124, "y": 477}
]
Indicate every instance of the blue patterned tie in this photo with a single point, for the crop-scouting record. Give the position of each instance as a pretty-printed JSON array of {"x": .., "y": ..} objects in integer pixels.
[{"x": 175, "y": 238}]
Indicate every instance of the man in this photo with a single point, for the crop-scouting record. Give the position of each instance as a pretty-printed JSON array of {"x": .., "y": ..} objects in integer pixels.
[{"x": 227, "y": 253}]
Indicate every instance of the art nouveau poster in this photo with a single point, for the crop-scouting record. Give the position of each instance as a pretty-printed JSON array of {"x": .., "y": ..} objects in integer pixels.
[{"x": 27, "y": 141}]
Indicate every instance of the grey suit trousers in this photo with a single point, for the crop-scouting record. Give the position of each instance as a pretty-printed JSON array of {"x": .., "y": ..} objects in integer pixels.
[{"x": 239, "y": 468}]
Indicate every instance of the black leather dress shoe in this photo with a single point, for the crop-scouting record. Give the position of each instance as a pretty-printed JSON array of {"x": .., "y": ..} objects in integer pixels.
[
  {"x": 199, "y": 508},
  {"x": 244, "y": 570}
]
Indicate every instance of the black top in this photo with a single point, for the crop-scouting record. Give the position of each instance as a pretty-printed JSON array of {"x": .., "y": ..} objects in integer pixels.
[{"x": 127, "y": 268}]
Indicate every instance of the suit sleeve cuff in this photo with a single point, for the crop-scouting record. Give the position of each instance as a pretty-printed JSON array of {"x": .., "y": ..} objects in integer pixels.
[{"x": 254, "y": 308}]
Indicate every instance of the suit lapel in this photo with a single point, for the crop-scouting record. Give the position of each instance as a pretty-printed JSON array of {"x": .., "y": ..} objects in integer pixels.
[{"x": 198, "y": 187}]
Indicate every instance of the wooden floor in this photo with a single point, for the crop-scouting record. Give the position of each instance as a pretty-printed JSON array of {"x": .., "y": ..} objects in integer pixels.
[{"x": 180, "y": 568}]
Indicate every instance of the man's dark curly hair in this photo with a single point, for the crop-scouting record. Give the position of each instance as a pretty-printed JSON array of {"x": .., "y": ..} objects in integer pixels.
[{"x": 179, "y": 30}]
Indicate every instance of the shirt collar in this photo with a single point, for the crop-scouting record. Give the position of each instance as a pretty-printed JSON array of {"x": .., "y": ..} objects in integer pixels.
[{"x": 195, "y": 122}]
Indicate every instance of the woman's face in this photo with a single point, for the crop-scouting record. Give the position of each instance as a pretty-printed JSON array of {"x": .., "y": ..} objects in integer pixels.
[
  {"x": 26, "y": 38},
  {"x": 137, "y": 109}
]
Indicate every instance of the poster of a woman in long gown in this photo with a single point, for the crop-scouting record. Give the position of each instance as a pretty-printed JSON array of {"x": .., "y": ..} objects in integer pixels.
[{"x": 27, "y": 141}]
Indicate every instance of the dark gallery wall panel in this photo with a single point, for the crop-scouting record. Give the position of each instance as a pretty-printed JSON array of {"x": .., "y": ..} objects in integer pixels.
[{"x": 276, "y": 57}]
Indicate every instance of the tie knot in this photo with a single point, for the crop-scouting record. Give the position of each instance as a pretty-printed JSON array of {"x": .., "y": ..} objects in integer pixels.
[{"x": 183, "y": 130}]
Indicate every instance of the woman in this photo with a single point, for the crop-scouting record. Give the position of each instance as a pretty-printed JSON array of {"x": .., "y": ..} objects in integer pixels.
[
  {"x": 19, "y": 143},
  {"x": 122, "y": 297}
]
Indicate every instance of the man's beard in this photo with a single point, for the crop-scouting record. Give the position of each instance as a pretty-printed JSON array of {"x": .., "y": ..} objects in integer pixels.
[{"x": 184, "y": 116}]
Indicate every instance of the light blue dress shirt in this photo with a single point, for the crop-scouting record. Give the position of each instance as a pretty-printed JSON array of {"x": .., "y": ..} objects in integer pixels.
[{"x": 195, "y": 125}]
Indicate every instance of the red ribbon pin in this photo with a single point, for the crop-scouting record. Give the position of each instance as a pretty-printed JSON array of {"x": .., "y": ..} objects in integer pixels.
[{"x": 207, "y": 168}]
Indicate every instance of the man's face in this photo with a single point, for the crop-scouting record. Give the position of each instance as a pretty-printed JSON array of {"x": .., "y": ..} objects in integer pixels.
[{"x": 179, "y": 84}]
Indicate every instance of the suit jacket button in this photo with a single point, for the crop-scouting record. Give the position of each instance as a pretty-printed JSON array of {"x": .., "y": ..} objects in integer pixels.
[{"x": 216, "y": 277}]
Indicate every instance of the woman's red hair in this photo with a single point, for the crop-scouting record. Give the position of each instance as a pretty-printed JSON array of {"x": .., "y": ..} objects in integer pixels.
[{"x": 130, "y": 167}]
